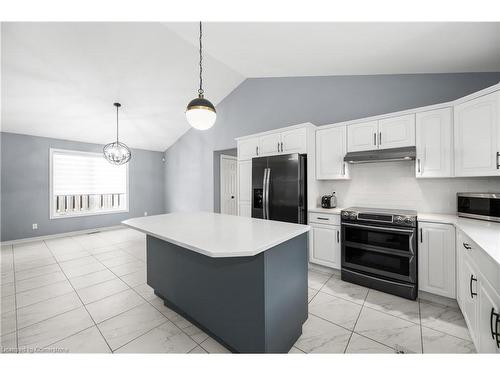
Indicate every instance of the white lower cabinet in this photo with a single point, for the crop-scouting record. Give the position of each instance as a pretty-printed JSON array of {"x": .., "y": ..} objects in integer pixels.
[
  {"x": 324, "y": 245},
  {"x": 478, "y": 300},
  {"x": 436, "y": 259}
]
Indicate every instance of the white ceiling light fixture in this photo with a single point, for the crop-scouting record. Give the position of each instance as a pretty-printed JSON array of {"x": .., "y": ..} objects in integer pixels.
[
  {"x": 200, "y": 112},
  {"x": 117, "y": 152}
]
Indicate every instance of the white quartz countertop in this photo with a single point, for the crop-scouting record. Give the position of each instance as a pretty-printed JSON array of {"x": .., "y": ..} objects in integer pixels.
[
  {"x": 485, "y": 233},
  {"x": 218, "y": 235}
]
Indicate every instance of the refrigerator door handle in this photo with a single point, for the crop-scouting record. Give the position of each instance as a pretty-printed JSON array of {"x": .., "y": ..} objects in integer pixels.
[
  {"x": 264, "y": 194},
  {"x": 266, "y": 209}
]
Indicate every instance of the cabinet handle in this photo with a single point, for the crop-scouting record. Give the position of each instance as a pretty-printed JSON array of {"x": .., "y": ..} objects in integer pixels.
[
  {"x": 374, "y": 139},
  {"x": 498, "y": 162},
  {"x": 421, "y": 236},
  {"x": 257, "y": 150},
  {"x": 472, "y": 294},
  {"x": 379, "y": 138},
  {"x": 322, "y": 218},
  {"x": 338, "y": 236},
  {"x": 278, "y": 147},
  {"x": 343, "y": 169},
  {"x": 418, "y": 163},
  {"x": 494, "y": 320},
  {"x": 467, "y": 246}
]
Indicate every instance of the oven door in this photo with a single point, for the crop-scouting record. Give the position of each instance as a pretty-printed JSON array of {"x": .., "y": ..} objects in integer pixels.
[{"x": 378, "y": 250}]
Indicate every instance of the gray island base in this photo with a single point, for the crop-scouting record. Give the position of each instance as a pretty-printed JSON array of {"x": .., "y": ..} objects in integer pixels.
[{"x": 250, "y": 304}]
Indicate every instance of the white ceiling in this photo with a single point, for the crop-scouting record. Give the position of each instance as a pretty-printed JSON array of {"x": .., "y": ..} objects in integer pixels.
[
  {"x": 60, "y": 79},
  {"x": 316, "y": 49}
]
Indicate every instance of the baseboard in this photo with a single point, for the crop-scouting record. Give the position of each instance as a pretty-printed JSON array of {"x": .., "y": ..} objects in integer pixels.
[
  {"x": 440, "y": 300},
  {"x": 59, "y": 235}
]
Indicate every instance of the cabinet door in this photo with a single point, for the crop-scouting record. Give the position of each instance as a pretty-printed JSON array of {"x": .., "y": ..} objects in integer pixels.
[
  {"x": 489, "y": 303},
  {"x": 468, "y": 287},
  {"x": 396, "y": 132},
  {"x": 248, "y": 148},
  {"x": 245, "y": 209},
  {"x": 324, "y": 245},
  {"x": 434, "y": 143},
  {"x": 436, "y": 259},
  {"x": 477, "y": 136},
  {"x": 270, "y": 144},
  {"x": 362, "y": 136},
  {"x": 245, "y": 181},
  {"x": 294, "y": 141},
  {"x": 330, "y": 152}
]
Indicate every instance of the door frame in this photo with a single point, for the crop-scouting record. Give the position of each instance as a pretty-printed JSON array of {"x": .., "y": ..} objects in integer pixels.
[{"x": 221, "y": 176}]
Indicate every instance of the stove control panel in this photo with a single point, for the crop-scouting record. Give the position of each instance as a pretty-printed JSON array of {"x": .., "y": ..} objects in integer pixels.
[{"x": 381, "y": 218}]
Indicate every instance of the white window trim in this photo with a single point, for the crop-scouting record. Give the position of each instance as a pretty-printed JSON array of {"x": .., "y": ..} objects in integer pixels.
[{"x": 52, "y": 212}]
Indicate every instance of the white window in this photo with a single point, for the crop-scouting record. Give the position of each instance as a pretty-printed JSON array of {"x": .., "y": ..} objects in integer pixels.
[{"x": 84, "y": 183}]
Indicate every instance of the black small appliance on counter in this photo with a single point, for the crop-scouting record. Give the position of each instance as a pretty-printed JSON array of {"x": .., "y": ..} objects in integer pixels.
[{"x": 329, "y": 201}]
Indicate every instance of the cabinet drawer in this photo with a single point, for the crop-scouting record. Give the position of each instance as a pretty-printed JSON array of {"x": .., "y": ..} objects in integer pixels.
[{"x": 316, "y": 217}]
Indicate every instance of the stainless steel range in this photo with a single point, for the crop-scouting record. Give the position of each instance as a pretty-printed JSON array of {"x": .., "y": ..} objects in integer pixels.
[{"x": 379, "y": 249}]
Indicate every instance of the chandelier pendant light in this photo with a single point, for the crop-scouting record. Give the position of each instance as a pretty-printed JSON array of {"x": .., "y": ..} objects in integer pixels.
[
  {"x": 200, "y": 113},
  {"x": 117, "y": 152}
]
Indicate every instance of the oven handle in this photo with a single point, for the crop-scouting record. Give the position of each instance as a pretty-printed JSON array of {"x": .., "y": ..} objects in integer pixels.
[{"x": 409, "y": 231}]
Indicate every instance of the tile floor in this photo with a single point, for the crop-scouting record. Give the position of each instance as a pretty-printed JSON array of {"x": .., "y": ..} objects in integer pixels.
[{"x": 88, "y": 293}]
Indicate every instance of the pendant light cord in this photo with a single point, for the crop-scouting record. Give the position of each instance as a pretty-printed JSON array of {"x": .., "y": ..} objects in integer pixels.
[
  {"x": 200, "y": 90},
  {"x": 117, "y": 123}
]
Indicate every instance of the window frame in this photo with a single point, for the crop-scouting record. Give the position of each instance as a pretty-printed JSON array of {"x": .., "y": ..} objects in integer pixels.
[{"x": 52, "y": 207}]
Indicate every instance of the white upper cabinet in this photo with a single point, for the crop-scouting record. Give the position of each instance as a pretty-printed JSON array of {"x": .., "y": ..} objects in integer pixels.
[
  {"x": 362, "y": 136},
  {"x": 330, "y": 152},
  {"x": 477, "y": 136},
  {"x": 436, "y": 259},
  {"x": 391, "y": 132},
  {"x": 396, "y": 132},
  {"x": 270, "y": 144},
  {"x": 434, "y": 143},
  {"x": 294, "y": 141},
  {"x": 248, "y": 148}
]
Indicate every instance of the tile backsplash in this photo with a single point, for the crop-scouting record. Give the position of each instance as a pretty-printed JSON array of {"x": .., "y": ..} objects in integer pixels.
[{"x": 393, "y": 185}]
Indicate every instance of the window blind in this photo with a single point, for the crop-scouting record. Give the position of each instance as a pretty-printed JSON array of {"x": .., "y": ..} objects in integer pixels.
[{"x": 75, "y": 173}]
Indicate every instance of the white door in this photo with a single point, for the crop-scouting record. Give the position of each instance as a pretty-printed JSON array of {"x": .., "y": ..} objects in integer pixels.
[
  {"x": 396, "y": 132},
  {"x": 434, "y": 143},
  {"x": 330, "y": 152},
  {"x": 362, "y": 136},
  {"x": 468, "y": 287},
  {"x": 248, "y": 148},
  {"x": 324, "y": 245},
  {"x": 270, "y": 144},
  {"x": 489, "y": 304},
  {"x": 477, "y": 136},
  {"x": 294, "y": 141},
  {"x": 228, "y": 185},
  {"x": 436, "y": 259}
]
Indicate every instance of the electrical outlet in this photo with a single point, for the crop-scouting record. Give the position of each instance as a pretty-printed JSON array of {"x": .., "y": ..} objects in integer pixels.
[
  {"x": 145, "y": 213},
  {"x": 35, "y": 226}
]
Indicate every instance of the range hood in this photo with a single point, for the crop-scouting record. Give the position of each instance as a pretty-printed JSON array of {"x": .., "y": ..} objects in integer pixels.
[{"x": 375, "y": 156}]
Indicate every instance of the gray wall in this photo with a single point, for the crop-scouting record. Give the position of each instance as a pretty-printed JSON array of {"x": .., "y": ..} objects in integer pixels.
[
  {"x": 217, "y": 154},
  {"x": 25, "y": 187},
  {"x": 261, "y": 104}
]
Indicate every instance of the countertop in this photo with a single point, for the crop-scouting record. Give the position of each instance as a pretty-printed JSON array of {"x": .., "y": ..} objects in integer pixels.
[
  {"x": 485, "y": 233},
  {"x": 217, "y": 235}
]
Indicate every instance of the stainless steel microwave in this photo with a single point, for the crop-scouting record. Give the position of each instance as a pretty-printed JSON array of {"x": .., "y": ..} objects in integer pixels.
[{"x": 482, "y": 206}]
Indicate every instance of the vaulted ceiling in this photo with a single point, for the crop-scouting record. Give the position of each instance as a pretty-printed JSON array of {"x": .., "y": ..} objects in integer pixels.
[{"x": 60, "y": 79}]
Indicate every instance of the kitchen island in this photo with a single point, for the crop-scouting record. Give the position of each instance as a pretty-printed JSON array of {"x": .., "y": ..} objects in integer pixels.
[{"x": 242, "y": 280}]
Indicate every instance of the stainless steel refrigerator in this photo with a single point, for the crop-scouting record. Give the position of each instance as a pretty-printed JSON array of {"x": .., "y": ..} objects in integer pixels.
[{"x": 279, "y": 188}]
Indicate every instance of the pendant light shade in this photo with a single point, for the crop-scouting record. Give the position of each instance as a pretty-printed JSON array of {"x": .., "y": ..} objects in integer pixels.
[
  {"x": 200, "y": 112},
  {"x": 117, "y": 152}
]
